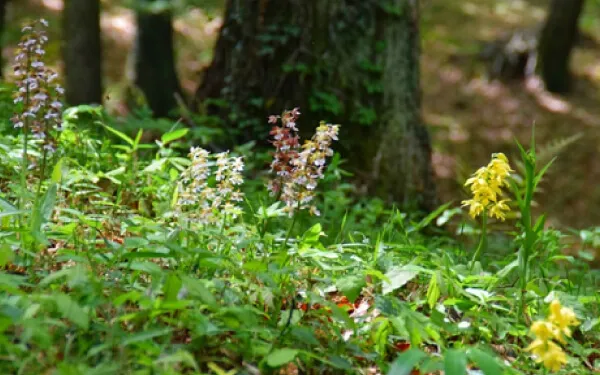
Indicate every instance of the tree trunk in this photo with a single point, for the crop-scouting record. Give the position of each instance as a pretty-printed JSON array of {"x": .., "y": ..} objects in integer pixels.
[
  {"x": 353, "y": 62},
  {"x": 556, "y": 42},
  {"x": 3, "y": 4},
  {"x": 154, "y": 70},
  {"x": 82, "y": 51}
]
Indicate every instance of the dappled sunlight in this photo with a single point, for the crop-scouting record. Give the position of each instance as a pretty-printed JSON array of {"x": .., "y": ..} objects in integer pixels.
[
  {"x": 444, "y": 165},
  {"x": 196, "y": 33},
  {"x": 469, "y": 114},
  {"x": 472, "y": 116},
  {"x": 119, "y": 26},
  {"x": 53, "y": 5}
]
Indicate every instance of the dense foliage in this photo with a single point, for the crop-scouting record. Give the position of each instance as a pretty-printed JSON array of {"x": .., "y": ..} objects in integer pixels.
[{"x": 122, "y": 255}]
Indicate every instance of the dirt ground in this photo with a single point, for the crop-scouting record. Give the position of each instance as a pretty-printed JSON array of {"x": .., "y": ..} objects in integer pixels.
[{"x": 469, "y": 116}]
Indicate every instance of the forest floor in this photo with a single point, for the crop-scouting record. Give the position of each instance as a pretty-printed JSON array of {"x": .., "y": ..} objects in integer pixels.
[{"x": 469, "y": 115}]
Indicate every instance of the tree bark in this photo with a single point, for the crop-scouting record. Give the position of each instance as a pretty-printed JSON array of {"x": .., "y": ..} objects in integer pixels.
[
  {"x": 154, "y": 56},
  {"x": 82, "y": 51},
  {"x": 556, "y": 42},
  {"x": 353, "y": 62},
  {"x": 3, "y": 4}
]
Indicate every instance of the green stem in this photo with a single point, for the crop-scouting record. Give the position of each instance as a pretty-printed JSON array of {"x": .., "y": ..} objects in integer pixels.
[
  {"x": 42, "y": 172},
  {"x": 289, "y": 232},
  {"x": 24, "y": 161},
  {"x": 482, "y": 240},
  {"x": 530, "y": 236},
  {"x": 222, "y": 232}
]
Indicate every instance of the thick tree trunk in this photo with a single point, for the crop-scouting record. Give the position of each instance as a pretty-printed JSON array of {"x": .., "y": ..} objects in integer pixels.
[
  {"x": 353, "y": 62},
  {"x": 154, "y": 70},
  {"x": 556, "y": 42},
  {"x": 82, "y": 52}
]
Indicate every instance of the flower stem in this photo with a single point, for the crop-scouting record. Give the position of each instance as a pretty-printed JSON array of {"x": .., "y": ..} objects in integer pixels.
[{"x": 482, "y": 240}]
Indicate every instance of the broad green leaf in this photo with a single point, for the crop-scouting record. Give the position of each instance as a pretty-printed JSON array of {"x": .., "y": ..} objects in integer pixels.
[
  {"x": 48, "y": 203},
  {"x": 398, "y": 277},
  {"x": 58, "y": 171},
  {"x": 71, "y": 310},
  {"x": 135, "y": 242},
  {"x": 6, "y": 254},
  {"x": 198, "y": 289},
  {"x": 310, "y": 238},
  {"x": 280, "y": 357},
  {"x": 172, "y": 287},
  {"x": 406, "y": 362},
  {"x": 55, "y": 276},
  {"x": 455, "y": 362},
  {"x": 487, "y": 363},
  {"x": 305, "y": 335},
  {"x": 351, "y": 286}
]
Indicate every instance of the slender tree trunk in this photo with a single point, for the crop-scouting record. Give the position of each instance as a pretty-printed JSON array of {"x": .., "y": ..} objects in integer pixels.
[
  {"x": 3, "y": 4},
  {"x": 556, "y": 42},
  {"x": 352, "y": 62},
  {"x": 154, "y": 70},
  {"x": 82, "y": 52}
]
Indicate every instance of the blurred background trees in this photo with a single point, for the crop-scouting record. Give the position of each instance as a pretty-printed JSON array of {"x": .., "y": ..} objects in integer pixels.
[
  {"x": 356, "y": 63},
  {"x": 557, "y": 39},
  {"x": 154, "y": 56},
  {"x": 82, "y": 52},
  {"x": 402, "y": 77}
]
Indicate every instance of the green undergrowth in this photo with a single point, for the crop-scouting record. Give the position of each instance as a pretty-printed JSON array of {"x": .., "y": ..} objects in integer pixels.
[{"x": 100, "y": 275}]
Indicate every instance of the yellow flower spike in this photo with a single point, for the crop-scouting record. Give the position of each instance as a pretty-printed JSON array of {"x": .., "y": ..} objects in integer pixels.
[
  {"x": 548, "y": 353},
  {"x": 486, "y": 186},
  {"x": 537, "y": 347},
  {"x": 543, "y": 330},
  {"x": 553, "y": 358},
  {"x": 499, "y": 210},
  {"x": 562, "y": 318}
]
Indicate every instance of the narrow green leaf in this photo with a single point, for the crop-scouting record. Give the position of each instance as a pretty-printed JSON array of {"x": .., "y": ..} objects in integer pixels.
[
  {"x": 406, "y": 362},
  {"x": 433, "y": 291},
  {"x": 539, "y": 224},
  {"x": 429, "y": 218},
  {"x": 145, "y": 336},
  {"x": 119, "y": 134},
  {"x": 541, "y": 173},
  {"x": 138, "y": 137},
  {"x": 173, "y": 135}
]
